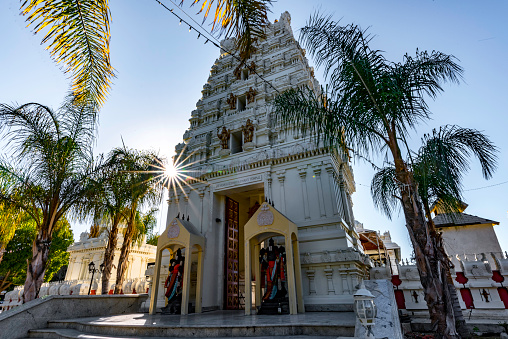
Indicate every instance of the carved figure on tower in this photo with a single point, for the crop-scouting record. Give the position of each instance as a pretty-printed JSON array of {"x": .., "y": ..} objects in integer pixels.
[
  {"x": 231, "y": 101},
  {"x": 251, "y": 95},
  {"x": 224, "y": 137},
  {"x": 252, "y": 67},
  {"x": 248, "y": 131}
]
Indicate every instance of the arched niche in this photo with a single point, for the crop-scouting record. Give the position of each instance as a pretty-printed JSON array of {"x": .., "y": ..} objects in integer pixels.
[
  {"x": 265, "y": 223},
  {"x": 180, "y": 234}
]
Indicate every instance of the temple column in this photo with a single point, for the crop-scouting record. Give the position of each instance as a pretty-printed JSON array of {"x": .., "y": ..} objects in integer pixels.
[
  {"x": 186, "y": 197},
  {"x": 269, "y": 182},
  {"x": 316, "y": 168},
  {"x": 201, "y": 193},
  {"x": 329, "y": 278},
  {"x": 345, "y": 283},
  {"x": 330, "y": 170},
  {"x": 302, "y": 171},
  {"x": 281, "y": 175},
  {"x": 312, "y": 286}
]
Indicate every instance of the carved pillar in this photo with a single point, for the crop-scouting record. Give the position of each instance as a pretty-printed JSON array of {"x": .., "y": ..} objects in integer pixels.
[
  {"x": 302, "y": 171},
  {"x": 186, "y": 197},
  {"x": 312, "y": 285},
  {"x": 329, "y": 278},
  {"x": 316, "y": 168},
  {"x": 333, "y": 194},
  {"x": 72, "y": 263},
  {"x": 177, "y": 202},
  {"x": 281, "y": 175},
  {"x": 269, "y": 182},
  {"x": 201, "y": 193},
  {"x": 345, "y": 284}
]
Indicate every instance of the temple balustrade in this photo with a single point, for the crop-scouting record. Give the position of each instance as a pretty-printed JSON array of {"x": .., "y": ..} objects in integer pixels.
[{"x": 480, "y": 280}]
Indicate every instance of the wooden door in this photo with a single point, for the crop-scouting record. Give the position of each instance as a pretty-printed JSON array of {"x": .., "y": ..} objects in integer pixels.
[{"x": 232, "y": 301}]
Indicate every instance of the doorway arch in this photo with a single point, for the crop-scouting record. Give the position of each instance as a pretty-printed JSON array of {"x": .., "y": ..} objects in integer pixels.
[
  {"x": 265, "y": 223},
  {"x": 180, "y": 234}
]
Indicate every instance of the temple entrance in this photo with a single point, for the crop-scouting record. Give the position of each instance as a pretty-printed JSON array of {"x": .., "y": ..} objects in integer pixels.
[
  {"x": 238, "y": 206},
  {"x": 232, "y": 273}
]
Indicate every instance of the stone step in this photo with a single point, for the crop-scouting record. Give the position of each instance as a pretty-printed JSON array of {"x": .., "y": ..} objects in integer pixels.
[
  {"x": 66, "y": 333},
  {"x": 287, "y": 330}
]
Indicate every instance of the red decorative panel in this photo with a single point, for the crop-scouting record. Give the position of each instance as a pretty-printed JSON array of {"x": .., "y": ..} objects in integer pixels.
[
  {"x": 467, "y": 297},
  {"x": 503, "y": 294},
  {"x": 399, "y": 298},
  {"x": 497, "y": 277},
  {"x": 232, "y": 255},
  {"x": 461, "y": 278},
  {"x": 396, "y": 280}
]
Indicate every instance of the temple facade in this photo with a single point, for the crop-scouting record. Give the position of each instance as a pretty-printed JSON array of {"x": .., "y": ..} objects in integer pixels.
[{"x": 239, "y": 158}]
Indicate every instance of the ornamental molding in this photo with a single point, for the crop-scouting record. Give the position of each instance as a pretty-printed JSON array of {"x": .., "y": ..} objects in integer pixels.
[
  {"x": 265, "y": 217},
  {"x": 173, "y": 230}
]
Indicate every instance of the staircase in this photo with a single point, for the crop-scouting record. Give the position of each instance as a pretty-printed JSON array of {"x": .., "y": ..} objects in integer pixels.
[{"x": 218, "y": 324}]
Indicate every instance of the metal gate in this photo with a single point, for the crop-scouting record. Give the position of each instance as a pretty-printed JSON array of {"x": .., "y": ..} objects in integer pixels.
[{"x": 232, "y": 255}]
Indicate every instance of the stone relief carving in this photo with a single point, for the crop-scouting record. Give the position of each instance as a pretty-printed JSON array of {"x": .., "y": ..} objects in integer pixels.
[
  {"x": 252, "y": 67},
  {"x": 237, "y": 73},
  {"x": 248, "y": 131},
  {"x": 251, "y": 95},
  {"x": 231, "y": 101},
  {"x": 224, "y": 137},
  {"x": 307, "y": 258},
  {"x": 265, "y": 217},
  {"x": 173, "y": 230},
  {"x": 83, "y": 236},
  {"x": 326, "y": 257}
]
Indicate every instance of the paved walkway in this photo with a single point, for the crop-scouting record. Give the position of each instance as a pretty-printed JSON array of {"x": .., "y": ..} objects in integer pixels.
[{"x": 224, "y": 319}]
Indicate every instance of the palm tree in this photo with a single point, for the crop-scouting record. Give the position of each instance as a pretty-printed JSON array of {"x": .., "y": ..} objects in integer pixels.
[
  {"x": 78, "y": 35},
  {"x": 438, "y": 168},
  {"x": 145, "y": 191},
  {"x": 370, "y": 107},
  {"x": 47, "y": 170},
  {"x": 106, "y": 204}
]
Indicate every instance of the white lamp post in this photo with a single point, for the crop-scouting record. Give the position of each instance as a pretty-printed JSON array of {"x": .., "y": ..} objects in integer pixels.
[{"x": 365, "y": 309}]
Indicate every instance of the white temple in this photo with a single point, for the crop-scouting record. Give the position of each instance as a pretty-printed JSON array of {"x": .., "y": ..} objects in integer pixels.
[{"x": 241, "y": 159}]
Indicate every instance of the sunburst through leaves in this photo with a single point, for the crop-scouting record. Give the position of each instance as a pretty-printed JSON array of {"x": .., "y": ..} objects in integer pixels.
[{"x": 175, "y": 175}]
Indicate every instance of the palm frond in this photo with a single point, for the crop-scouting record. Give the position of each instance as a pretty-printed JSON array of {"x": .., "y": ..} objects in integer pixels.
[
  {"x": 385, "y": 191},
  {"x": 443, "y": 160},
  {"x": 77, "y": 34},
  {"x": 243, "y": 19}
]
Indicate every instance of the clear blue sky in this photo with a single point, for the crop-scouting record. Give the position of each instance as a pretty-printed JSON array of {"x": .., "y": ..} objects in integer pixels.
[{"x": 162, "y": 67}]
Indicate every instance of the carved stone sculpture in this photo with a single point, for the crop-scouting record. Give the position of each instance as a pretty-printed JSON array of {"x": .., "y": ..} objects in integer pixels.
[
  {"x": 252, "y": 68},
  {"x": 231, "y": 101},
  {"x": 251, "y": 95},
  {"x": 237, "y": 73},
  {"x": 248, "y": 131},
  {"x": 224, "y": 137}
]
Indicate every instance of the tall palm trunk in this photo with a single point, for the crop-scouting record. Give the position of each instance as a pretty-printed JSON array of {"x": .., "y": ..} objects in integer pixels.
[
  {"x": 124, "y": 254},
  {"x": 427, "y": 253},
  {"x": 109, "y": 255},
  {"x": 451, "y": 293},
  {"x": 37, "y": 266}
]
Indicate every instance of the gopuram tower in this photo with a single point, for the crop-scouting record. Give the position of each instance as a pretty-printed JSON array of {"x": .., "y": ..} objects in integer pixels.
[{"x": 251, "y": 170}]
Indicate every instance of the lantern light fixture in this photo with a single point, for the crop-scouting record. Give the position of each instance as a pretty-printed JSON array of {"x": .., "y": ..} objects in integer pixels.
[{"x": 365, "y": 309}]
